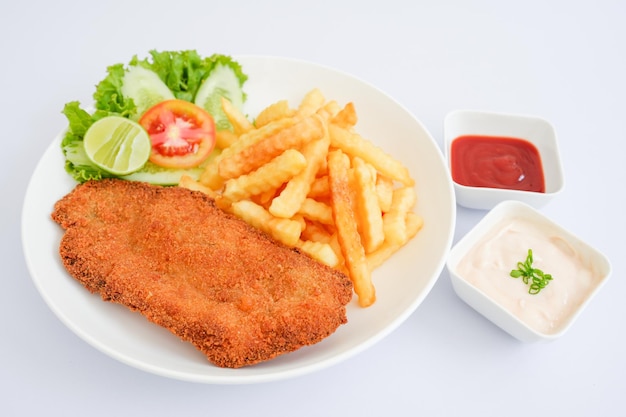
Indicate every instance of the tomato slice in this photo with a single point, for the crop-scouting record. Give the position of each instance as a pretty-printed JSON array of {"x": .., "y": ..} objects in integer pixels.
[{"x": 182, "y": 134}]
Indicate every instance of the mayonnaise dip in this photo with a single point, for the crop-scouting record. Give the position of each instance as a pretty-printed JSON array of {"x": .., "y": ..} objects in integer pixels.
[{"x": 487, "y": 266}]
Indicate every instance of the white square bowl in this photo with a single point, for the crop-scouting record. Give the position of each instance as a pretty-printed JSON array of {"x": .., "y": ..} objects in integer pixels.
[
  {"x": 535, "y": 130},
  {"x": 480, "y": 264}
]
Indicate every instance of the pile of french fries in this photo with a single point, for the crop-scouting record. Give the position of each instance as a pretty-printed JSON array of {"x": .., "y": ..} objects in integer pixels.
[{"x": 307, "y": 178}]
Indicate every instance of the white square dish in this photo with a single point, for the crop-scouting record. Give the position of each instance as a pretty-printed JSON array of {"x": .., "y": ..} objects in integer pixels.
[
  {"x": 481, "y": 262},
  {"x": 535, "y": 130}
]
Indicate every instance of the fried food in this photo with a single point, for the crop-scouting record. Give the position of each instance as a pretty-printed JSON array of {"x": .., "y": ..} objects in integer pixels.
[
  {"x": 351, "y": 218},
  {"x": 347, "y": 232},
  {"x": 211, "y": 279}
]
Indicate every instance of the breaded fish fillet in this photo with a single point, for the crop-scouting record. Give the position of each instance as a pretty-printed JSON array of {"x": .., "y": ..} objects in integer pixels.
[{"x": 208, "y": 277}]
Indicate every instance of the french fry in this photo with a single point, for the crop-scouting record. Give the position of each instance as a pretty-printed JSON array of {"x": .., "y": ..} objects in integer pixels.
[
  {"x": 284, "y": 230},
  {"x": 220, "y": 201},
  {"x": 346, "y": 117},
  {"x": 267, "y": 177},
  {"x": 315, "y": 231},
  {"x": 334, "y": 244},
  {"x": 393, "y": 221},
  {"x": 347, "y": 233},
  {"x": 321, "y": 251},
  {"x": 265, "y": 198},
  {"x": 369, "y": 214},
  {"x": 276, "y": 111},
  {"x": 236, "y": 118},
  {"x": 316, "y": 211},
  {"x": 211, "y": 178},
  {"x": 187, "y": 182},
  {"x": 384, "y": 191},
  {"x": 300, "y": 219},
  {"x": 225, "y": 138},
  {"x": 311, "y": 103},
  {"x": 413, "y": 224},
  {"x": 266, "y": 149},
  {"x": 319, "y": 188},
  {"x": 291, "y": 198},
  {"x": 355, "y": 145},
  {"x": 329, "y": 110}
]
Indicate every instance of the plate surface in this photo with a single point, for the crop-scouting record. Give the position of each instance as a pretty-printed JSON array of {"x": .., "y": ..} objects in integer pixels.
[{"x": 401, "y": 284}]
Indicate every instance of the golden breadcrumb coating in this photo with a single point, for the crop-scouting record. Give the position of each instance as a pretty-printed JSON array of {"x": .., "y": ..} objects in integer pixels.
[{"x": 210, "y": 278}]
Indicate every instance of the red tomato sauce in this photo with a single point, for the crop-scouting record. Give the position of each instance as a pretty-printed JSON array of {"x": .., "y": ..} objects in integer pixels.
[{"x": 496, "y": 162}]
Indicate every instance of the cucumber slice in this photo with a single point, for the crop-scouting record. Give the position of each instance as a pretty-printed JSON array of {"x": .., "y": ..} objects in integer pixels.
[
  {"x": 155, "y": 174},
  {"x": 145, "y": 88},
  {"x": 221, "y": 82}
]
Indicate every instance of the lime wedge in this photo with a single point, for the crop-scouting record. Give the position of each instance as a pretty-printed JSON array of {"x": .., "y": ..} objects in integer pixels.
[{"x": 117, "y": 145}]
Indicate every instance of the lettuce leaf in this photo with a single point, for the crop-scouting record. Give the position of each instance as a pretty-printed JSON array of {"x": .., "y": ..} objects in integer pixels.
[
  {"x": 182, "y": 71},
  {"x": 108, "y": 96}
]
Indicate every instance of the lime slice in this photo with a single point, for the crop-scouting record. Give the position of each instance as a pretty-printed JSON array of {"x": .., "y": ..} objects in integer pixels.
[{"x": 117, "y": 145}]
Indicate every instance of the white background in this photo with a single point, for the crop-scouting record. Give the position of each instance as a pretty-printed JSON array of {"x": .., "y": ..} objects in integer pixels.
[{"x": 561, "y": 60}]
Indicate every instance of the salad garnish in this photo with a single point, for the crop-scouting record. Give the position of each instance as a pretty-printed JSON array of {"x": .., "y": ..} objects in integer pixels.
[
  {"x": 131, "y": 90},
  {"x": 536, "y": 278}
]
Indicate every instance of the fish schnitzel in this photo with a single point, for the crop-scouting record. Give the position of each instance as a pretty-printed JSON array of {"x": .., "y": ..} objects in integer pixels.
[{"x": 211, "y": 279}]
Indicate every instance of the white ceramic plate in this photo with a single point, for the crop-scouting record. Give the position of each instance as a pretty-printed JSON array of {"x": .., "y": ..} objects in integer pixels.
[{"x": 402, "y": 283}]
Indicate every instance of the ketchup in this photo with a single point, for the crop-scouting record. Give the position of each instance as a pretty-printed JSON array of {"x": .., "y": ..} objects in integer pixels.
[{"x": 496, "y": 162}]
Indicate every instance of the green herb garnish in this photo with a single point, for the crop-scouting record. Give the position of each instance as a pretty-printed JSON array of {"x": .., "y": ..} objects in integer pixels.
[{"x": 533, "y": 276}]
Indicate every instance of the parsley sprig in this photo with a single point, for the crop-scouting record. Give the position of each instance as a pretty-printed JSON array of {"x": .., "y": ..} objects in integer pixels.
[{"x": 536, "y": 277}]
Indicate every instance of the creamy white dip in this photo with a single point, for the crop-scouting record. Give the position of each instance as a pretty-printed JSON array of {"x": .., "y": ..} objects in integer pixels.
[{"x": 488, "y": 264}]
